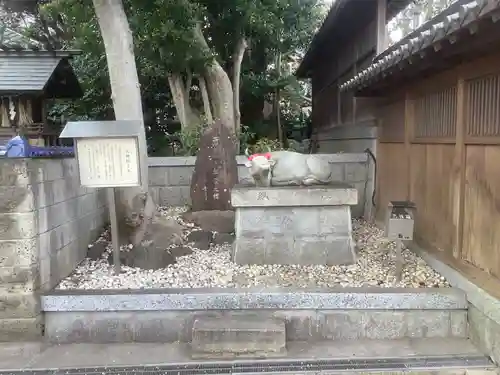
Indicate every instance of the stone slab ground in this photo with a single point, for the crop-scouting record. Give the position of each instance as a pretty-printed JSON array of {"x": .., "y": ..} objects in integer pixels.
[{"x": 419, "y": 356}]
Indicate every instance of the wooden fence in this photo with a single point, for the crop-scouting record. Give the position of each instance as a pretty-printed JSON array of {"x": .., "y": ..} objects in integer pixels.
[{"x": 440, "y": 147}]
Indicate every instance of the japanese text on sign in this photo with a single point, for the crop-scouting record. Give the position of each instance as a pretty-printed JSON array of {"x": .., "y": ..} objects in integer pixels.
[{"x": 108, "y": 162}]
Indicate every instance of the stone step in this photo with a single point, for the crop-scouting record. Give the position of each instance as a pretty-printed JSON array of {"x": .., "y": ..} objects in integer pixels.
[{"x": 238, "y": 336}]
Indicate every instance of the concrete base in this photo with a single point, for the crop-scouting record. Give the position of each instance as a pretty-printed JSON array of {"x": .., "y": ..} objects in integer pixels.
[
  {"x": 309, "y": 316},
  {"x": 248, "y": 336},
  {"x": 294, "y": 225}
]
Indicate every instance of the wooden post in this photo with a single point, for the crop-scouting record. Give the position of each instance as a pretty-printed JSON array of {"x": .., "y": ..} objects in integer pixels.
[
  {"x": 381, "y": 30},
  {"x": 354, "y": 72},
  {"x": 459, "y": 171},
  {"x": 409, "y": 126},
  {"x": 339, "y": 105},
  {"x": 399, "y": 260}
]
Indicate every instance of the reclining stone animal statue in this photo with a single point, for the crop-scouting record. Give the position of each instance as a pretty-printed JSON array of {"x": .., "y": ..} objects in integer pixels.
[{"x": 282, "y": 168}]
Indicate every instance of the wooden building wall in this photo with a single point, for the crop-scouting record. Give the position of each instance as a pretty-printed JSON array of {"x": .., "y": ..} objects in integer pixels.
[
  {"x": 330, "y": 107},
  {"x": 439, "y": 146}
]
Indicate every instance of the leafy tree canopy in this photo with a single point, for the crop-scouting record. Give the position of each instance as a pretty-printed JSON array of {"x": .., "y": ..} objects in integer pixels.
[{"x": 165, "y": 42}]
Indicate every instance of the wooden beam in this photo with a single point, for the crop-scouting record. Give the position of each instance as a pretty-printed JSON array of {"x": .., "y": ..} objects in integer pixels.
[
  {"x": 354, "y": 72},
  {"x": 339, "y": 104},
  {"x": 459, "y": 171},
  {"x": 381, "y": 29},
  {"x": 409, "y": 126}
]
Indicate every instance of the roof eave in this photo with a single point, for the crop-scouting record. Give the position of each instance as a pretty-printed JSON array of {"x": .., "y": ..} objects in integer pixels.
[
  {"x": 29, "y": 53},
  {"x": 305, "y": 68},
  {"x": 16, "y": 92},
  {"x": 461, "y": 15}
]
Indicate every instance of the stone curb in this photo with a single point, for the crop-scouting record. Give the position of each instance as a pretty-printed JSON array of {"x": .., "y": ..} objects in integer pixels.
[{"x": 234, "y": 299}]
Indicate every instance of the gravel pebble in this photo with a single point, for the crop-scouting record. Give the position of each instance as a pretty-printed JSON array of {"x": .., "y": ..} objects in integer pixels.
[{"x": 212, "y": 268}]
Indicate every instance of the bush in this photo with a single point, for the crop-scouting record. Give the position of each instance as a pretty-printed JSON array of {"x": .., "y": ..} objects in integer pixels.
[{"x": 186, "y": 142}]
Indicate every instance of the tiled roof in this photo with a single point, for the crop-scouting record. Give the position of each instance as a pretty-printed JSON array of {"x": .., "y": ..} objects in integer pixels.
[
  {"x": 463, "y": 14},
  {"x": 12, "y": 40},
  {"x": 26, "y": 74}
]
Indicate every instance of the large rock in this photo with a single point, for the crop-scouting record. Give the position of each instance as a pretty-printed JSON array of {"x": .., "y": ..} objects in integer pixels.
[
  {"x": 201, "y": 239},
  {"x": 213, "y": 221},
  {"x": 153, "y": 252},
  {"x": 216, "y": 171}
]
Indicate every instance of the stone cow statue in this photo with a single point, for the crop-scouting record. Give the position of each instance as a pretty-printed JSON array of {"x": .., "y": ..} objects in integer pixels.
[{"x": 281, "y": 168}]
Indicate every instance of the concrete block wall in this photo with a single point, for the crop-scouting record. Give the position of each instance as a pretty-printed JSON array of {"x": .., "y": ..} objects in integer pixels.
[
  {"x": 351, "y": 139},
  {"x": 46, "y": 222},
  {"x": 170, "y": 178}
]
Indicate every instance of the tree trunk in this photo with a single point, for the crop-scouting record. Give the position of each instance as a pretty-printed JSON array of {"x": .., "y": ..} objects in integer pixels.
[
  {"x": 215, "y": 172},
  {"x": 206, "y": 100},
  {"x": 180, "y": 94},
  {"x": 135, "y": 206},
  {"x": 277, "y": 99},
  {"x": 179, "y": 97},
  {"x": 218, "y": 86},
  {"x": 237, "y": 60}
]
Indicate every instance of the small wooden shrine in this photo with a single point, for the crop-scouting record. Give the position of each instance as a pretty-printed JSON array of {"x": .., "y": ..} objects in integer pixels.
[{"x": 30, "y": 76}]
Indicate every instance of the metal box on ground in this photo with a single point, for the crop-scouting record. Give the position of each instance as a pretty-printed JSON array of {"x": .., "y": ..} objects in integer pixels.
[{"x": 400, "y": 220}]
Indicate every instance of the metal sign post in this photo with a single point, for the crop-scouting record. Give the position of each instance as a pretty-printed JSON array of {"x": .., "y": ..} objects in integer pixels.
[
  {"x": 114, "y": 230},
  {"x": 108, "y": 156}
]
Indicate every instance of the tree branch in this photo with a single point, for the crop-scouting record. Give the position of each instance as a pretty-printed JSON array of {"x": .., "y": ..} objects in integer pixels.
[
  {"x": 178, "y": 90},
  {"x": 189, "y": 82},
  {"x": 206, "y": 99},
  {"x": 239, "y": 53},
  {"x": 219, "y": 86}
]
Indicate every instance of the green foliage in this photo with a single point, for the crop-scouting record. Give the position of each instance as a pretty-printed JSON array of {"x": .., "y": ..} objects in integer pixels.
[
  {"x": 189, "y": 140},
  {"x": 265, "y": 145},
  {"x": 185, "y": 142}
]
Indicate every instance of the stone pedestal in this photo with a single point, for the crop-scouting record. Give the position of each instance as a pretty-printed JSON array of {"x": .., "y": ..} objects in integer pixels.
[{"x": 294, "y": 225}]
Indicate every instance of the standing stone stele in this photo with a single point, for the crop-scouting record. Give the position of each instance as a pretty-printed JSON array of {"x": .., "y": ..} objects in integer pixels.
[{"x": 215, "y": 171}]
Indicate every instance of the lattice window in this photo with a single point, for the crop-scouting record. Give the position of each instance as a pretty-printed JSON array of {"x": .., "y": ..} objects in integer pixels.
[
  {"x": 436, "y": 114},
  {"x": 482, "y": 106},
  {"x": 392, "y": 122}
]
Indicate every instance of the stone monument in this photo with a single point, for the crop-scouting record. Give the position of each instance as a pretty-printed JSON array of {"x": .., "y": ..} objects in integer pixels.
[
  {"x": 215, "y": 171},
  {"x": 294, "y": 213}
]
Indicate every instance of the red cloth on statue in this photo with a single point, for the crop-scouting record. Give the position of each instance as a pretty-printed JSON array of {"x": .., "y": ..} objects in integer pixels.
[{"x": 267, "y": 155}]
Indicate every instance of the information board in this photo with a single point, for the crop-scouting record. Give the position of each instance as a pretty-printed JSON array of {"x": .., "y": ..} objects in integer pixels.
[{"x": 108, "y": 162}]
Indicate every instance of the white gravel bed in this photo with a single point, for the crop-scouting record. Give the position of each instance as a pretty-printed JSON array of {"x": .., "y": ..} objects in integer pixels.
[{"x": 212, "y": 268}]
